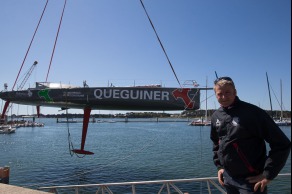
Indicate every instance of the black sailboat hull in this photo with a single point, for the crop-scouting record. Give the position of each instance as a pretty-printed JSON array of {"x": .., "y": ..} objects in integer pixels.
[{"x": 109, "y": 98}]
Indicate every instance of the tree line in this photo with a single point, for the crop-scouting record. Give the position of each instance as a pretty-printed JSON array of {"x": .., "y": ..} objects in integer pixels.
[{"x": 183, "y": 114}]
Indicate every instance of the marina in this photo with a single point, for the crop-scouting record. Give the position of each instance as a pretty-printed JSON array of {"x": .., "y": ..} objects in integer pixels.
[
  {"x": 110, "y": 41},
  {"x": 124, "y": 153},
  {"x": 124, "y": 120}
]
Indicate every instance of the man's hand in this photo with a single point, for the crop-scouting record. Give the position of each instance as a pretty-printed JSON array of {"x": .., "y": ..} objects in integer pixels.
[
  {"x": 259, "y": 180},
  {"x": 220, "y": 177}
]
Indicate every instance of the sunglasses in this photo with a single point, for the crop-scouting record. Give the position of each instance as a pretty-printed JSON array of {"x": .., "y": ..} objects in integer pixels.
[{"x": 222, "y": 78}]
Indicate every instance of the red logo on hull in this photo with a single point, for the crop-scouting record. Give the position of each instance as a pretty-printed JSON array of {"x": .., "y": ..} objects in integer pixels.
[{"x": 183, "y": 94}]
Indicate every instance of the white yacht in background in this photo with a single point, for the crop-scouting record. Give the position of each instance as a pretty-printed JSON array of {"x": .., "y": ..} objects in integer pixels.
[{"x": 6, "y": 129}]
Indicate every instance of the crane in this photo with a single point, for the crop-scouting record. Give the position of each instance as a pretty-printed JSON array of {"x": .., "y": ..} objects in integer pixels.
[{"x": 20, "y": 87}]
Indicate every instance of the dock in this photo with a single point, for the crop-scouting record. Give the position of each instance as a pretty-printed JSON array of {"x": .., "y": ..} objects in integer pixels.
[
  {"x": 124, "y": 120},
  {"x": 10, "y": 189}
]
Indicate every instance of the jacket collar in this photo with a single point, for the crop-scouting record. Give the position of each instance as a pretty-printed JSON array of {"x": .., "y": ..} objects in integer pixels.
[{"x": 234, "y": 104}]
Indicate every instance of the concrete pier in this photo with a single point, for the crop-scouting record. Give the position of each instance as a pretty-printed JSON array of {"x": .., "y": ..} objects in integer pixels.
[{"x": 10, "y": 189}]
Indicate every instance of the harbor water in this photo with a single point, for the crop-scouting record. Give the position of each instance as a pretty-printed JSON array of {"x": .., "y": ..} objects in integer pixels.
[{"x": 123, "y": 152}]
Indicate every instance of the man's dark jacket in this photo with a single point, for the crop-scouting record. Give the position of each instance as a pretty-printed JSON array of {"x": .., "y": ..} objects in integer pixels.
[{"x": 240, "y": 133}]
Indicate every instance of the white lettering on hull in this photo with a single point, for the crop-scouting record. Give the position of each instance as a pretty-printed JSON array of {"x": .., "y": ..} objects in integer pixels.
[{"x": 131, "y": 94}]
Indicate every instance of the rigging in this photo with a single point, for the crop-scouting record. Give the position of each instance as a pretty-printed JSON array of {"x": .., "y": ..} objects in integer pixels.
[
  {"x": 56, "y": 39},
  {"x": 161, "y": 44},
  {"x": 30, "y": 45}
]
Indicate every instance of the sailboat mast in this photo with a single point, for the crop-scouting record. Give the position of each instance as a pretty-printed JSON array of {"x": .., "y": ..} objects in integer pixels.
[
  {"x": 206, "y": 111},
  {"x": 269, "y": 95},
  {"x": 281, "y": 100}
]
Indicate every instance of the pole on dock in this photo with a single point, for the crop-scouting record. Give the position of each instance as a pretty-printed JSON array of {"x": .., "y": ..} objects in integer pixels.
[{"x": 4, "y": 174}]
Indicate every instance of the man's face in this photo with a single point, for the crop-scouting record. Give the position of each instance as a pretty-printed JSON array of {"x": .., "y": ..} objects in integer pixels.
[{"x": 225, "y": 94}]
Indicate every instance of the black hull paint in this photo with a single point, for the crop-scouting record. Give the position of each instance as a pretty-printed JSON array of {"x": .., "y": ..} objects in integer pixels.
[{"x": 109, "y": 98}]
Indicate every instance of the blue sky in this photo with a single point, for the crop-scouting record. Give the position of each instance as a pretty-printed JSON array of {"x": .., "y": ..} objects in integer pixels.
[{"x": 112, "y": 41}]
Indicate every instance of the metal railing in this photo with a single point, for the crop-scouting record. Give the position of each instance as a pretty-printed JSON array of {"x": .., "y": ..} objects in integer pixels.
[{"x": 168, "y": 185}]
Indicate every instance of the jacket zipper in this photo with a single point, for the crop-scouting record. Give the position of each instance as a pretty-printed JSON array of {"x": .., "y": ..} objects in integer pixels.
[{"x": 243, "y": 158}]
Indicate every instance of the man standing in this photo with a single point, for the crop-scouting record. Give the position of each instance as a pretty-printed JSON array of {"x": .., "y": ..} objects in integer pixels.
[{"x": 239, "y": 132}]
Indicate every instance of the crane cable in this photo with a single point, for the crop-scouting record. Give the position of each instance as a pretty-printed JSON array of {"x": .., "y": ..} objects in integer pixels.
[
  {"x": 7, "y": 106},
  {"x": 56, "y": 40},
  {"x": 160, "y": 43},
  {"x": 30, "y": 44}
]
